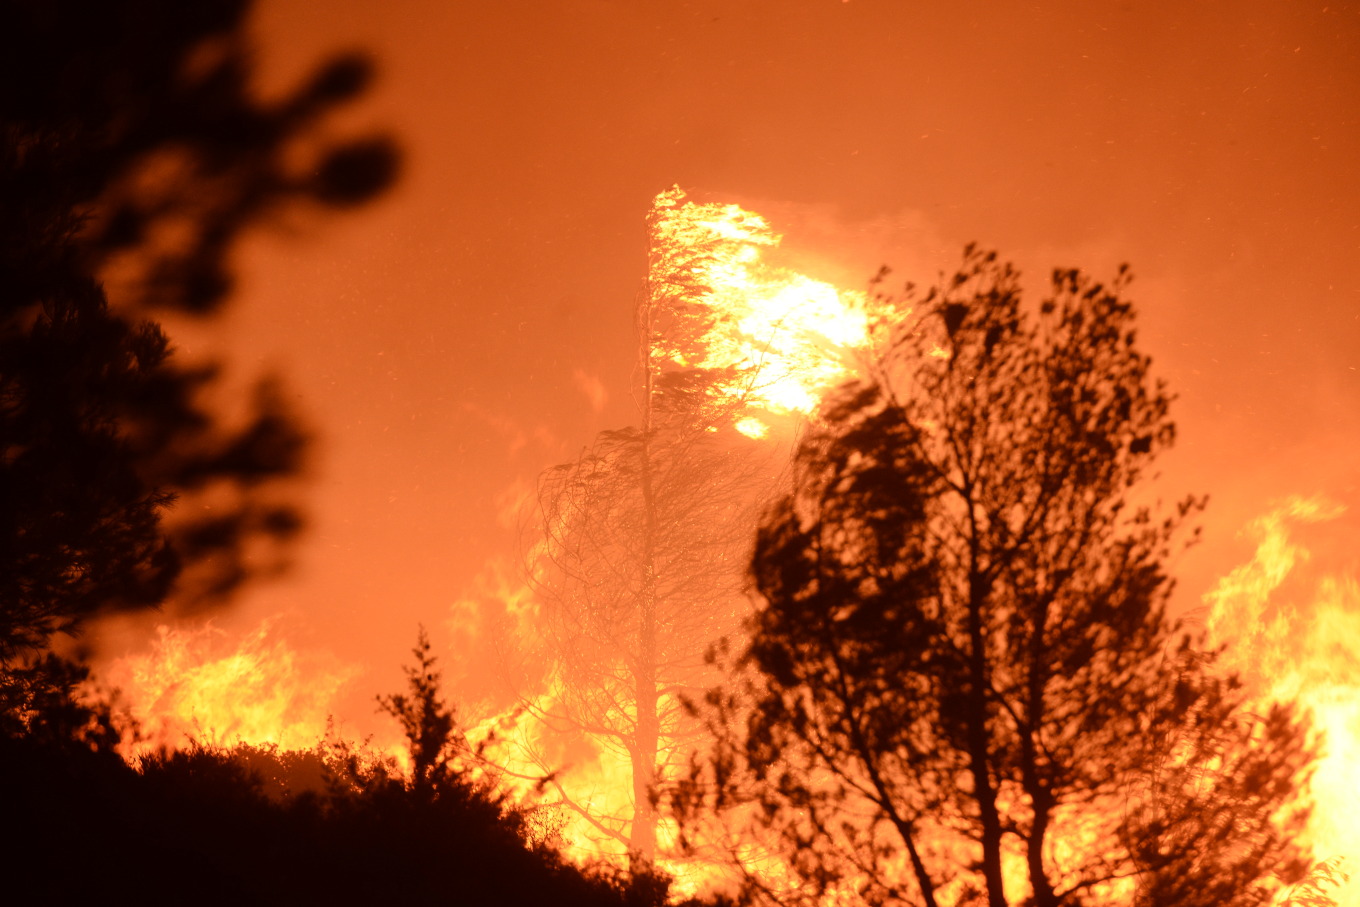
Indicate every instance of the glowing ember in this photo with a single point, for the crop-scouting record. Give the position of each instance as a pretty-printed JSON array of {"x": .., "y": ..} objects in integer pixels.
[
  {"x": 198, "y": 685},
  {"x": 1295, "y": 634}
]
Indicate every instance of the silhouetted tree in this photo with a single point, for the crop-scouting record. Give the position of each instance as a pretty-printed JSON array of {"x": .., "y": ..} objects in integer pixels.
[
  {"x": 433, "y": 738},
  {"x": 41, "y": 700},
  {"x": 337, "y": 824},
  {"x": 201, "y": 824},
  {"x": 133, "y": 151},
  {"x": 962, "y": 685}
]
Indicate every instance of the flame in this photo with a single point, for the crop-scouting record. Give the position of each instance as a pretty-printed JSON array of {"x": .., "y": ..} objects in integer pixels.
[
  {"x": 1295, "y": 635},
  {"x": 525, "y": 746},
  {"x": 197, "y": 684},
  {"x": 548, "y": 764},
  {"x": 770, "y": 342},
  {"x": 785, "y": 337}
]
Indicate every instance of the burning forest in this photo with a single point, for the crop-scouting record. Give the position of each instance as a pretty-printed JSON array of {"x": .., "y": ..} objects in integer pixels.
[{"x": 881, "y": 586}]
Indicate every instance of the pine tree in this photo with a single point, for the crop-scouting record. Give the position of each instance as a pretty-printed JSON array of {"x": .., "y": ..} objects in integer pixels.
[
  {"x": 642, "y": 541},
  {"x": 434, "y": 741},
  {"x": 962, "y": 685}
]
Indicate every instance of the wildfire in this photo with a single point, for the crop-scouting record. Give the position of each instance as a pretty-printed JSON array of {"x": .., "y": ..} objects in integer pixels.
[
  {"x": 784, "y": 338},
  {"x": 775, "y": 341},
  {"x": 199, "y": 685},
  {"x": 577, "y": 789},
  {"x": 1295, "y": 635},
  {"x": 739, "y": 341}
]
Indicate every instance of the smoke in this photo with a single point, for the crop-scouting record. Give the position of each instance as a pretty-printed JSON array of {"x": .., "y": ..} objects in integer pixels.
[{"x": 592, "y": 387}]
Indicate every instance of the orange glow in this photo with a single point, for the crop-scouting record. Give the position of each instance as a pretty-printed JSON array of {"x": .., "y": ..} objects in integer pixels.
[
  {"x": 779, "y": 340},
  {"x": 768, "y": 342},
  {"x": 1294, "y": 633},
  {"x": 587, "y": 771},
  {"x": 200, "y": 685},
  {"x": 786, "y": 337}
]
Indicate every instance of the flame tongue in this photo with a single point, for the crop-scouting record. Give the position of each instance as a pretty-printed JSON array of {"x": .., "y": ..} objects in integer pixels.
[
  {"x": 770, "y": 341},
  {"x": 198, "y": 685},
  {"x": 1294, "y": 630}
]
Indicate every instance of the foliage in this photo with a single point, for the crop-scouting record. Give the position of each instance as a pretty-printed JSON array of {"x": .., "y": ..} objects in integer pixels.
[
  {"x": 962, "y": 685},
  {"x": 134, "y": 153},
  {"x": 336, "y": 824},
  {"x": 200, "y": 824},
  {"x": 44, "y": 700},
  {"x": 138, "y": 118},
  {"x": 688, "y": 381},
  {"x": 433, "y": 738},
  {"x": 641, "y": 541}
]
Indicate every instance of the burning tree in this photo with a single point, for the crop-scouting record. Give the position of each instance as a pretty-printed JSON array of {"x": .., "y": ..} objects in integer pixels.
[
  {"x": 962, "y": 685},
  {"x": 643, "y": 540},
  {"x": 639, "y": 569}
]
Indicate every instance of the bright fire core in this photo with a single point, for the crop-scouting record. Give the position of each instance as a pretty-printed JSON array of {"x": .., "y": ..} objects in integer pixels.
[{"x": 786, "y": 337}]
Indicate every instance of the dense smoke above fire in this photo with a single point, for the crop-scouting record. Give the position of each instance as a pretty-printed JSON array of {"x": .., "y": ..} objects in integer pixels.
[{"x": 457, "y": 339}]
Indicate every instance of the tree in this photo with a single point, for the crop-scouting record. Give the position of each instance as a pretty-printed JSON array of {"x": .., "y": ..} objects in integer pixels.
[
  {"x": 639, "y": 570},
  {"x": 641, "y": 543},
  {"x": 134, "y": 153},
  {"x": 436, "y": 744},
  {"x": 962, "y": 685}
]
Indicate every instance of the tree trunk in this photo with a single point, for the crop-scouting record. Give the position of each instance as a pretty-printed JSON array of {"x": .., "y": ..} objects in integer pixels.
[
  {"x": 642, "y": 839},
  {"x": 646, "y": 735},
  {"x": 979, "y": 755},
  {"x": 1041, "y": 797},
  {"x": 647, "y": 730}
]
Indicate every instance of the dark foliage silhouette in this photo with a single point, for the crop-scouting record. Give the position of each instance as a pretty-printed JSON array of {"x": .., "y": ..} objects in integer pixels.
[
  {"x": 436, "y": 744},
  {"x": 41, "y": 700},
  {"x": 337, "y": 824},
  {"x": 201, "y": 826},
  {"x": 134, "y": 154},
  {"x": 962, "y": 685}
]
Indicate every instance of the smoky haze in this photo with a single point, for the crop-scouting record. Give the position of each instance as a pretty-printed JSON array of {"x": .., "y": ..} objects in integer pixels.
[{"x": 475, "y": 326}]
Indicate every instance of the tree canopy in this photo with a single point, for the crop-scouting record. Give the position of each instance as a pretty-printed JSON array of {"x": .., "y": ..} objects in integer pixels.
[
  {"x": 134, "y": 152},
  {"x": 962, "y": 684}
]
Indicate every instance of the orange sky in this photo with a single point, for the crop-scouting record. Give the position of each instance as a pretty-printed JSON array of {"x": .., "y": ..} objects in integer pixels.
[{"x": 451, "y": 341}]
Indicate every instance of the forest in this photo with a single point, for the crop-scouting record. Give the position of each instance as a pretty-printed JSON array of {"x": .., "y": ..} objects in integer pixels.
[{"x": 871, "y": 600}]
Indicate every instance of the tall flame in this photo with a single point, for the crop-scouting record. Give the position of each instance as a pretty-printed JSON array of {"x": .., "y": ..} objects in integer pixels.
[
  {"x": 1294, "y": 630},
  {"x": 734, "y": 339},
  {"x": 783, "y": 338}
]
